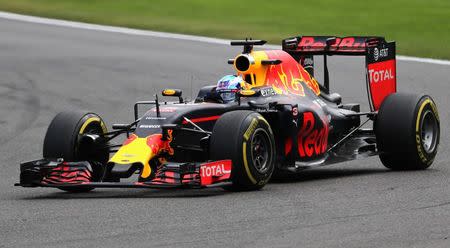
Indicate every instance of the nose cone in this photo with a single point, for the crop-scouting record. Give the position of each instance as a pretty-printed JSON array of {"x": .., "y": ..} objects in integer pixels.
[{"x": 140, "y": 150}]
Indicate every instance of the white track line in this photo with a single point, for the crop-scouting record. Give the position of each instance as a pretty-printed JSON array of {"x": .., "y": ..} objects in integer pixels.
[{"x": 131, "y": 31}]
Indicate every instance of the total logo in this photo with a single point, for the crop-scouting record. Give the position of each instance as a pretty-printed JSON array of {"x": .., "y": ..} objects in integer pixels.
[
  {"x": 216, "y": 170},
  {"x": 380, "y": 53},
  {"x": 376, "y": 76}
]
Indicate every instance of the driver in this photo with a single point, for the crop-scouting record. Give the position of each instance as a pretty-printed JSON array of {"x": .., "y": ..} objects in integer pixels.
[{"x": 228, "y": 86}]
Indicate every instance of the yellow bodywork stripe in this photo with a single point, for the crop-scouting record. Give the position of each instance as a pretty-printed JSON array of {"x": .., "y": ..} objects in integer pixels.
[{"x": 247, "y": 169}]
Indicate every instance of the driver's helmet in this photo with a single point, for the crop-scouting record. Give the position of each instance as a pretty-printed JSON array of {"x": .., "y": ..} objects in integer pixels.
[{"x": 228, "y": 86}]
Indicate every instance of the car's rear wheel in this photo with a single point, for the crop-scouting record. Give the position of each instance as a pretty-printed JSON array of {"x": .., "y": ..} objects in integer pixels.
[
  {"x": 64, "y": 140},
  {"x": 246, "y": 138},
  {"x": 407, "y": 131}
]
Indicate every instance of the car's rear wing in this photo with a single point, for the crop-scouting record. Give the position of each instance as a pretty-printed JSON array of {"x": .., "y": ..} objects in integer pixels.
[{"x": 379, "y": 57}]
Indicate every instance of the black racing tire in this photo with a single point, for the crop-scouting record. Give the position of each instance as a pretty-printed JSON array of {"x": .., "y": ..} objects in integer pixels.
[
  {"x": 246, "y": 138},
  {"x": 62, "y": 140},
  {"x": 407, "y": 130}
]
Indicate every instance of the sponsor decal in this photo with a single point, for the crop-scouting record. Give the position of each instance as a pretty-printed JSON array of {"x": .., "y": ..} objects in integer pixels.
[
  {"x": 419, "y": 149},
  {"x": 268, "y": 91},
  {"x": 375, "y": 54},
  {"x": 154, "y": 118},
  {"x": 295, "y": 111},
  {"x": 126, "y": 155},
  {"x": 251, "y": 128},
  {"x": 380, "y": 53},
  {"x": 312, "y": 137},
  {"x": 165, "y": 109},
  {"x": 319, "y": 43},
  {"x": 312, "y": 141},
  {"x": 380, "y": 75},
  {"x": 169, "y": 92},
  {"x": 214, "y": 172},
  {"x": 382, "y": 81},
  {"x": 308, "y": 62},
  {"x": 265, "y": 110},
  {"x": 149, "y": 126}
]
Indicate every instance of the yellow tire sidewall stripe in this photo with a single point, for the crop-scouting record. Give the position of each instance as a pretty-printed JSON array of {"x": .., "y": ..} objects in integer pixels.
[
  {"x": 418, "y": 137},
  {"x": 89, "y": 121},
  {"x": 420, "y": 113},
  {"x": 247, "y": 168}
]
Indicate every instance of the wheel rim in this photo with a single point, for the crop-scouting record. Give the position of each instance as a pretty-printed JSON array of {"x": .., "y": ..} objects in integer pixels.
[
  {"x": 429, "y": 132},
  {"x": 261, "y": 150},
  {"x": 89, "y": 154}
]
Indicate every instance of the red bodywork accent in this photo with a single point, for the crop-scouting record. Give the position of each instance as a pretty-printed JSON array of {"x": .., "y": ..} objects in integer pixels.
[
  {"x": 382, "y": 81},
  {"x": 165, "y": 177},
  {"x": 67, "y": 174},
  {"x": 214, "y": 172},
  {"x": 130, "y": 139},
  {"x": 203, "y": 119}
]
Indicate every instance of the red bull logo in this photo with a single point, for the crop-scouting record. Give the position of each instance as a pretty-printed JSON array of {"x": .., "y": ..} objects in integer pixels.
[
  {"x": 158, "y": 145},
  {"x": 312, "y": 141}
]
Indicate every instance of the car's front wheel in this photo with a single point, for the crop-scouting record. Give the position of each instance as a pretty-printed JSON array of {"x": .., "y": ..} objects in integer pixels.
[
  {"x": 64, "y": 140},
  {"x": 246, "y": 138}
]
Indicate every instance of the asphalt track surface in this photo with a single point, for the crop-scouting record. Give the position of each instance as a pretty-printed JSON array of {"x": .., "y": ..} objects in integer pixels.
[{"x": 46, "y": 69}]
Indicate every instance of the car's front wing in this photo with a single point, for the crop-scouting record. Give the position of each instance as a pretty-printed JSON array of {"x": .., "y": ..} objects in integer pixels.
[{"x": 60, "y": 174}]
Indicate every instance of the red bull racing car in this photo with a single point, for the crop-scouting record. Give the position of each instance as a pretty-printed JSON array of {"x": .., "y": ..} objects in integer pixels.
[{"x": 278, "y": 120}]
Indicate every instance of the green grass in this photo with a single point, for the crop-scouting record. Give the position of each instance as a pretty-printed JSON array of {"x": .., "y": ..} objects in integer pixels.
[{"x": 421, "y": 28}]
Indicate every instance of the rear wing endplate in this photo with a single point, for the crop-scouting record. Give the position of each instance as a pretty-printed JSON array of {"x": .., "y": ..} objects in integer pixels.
[{"x": 381, "y": 79}]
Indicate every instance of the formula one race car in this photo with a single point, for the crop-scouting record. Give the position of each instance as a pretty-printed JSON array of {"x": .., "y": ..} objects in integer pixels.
[{"x": 278, "y": 120}]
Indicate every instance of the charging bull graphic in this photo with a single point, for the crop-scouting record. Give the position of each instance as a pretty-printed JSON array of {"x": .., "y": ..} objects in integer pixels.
[{"x": 289, "y": 75}]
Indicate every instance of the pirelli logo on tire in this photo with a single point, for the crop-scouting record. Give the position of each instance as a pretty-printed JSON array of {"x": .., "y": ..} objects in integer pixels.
[{"x": 251, "y": 129}]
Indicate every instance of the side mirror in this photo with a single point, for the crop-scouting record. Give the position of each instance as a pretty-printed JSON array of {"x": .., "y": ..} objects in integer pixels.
[{"x": 173, "y": 92}]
